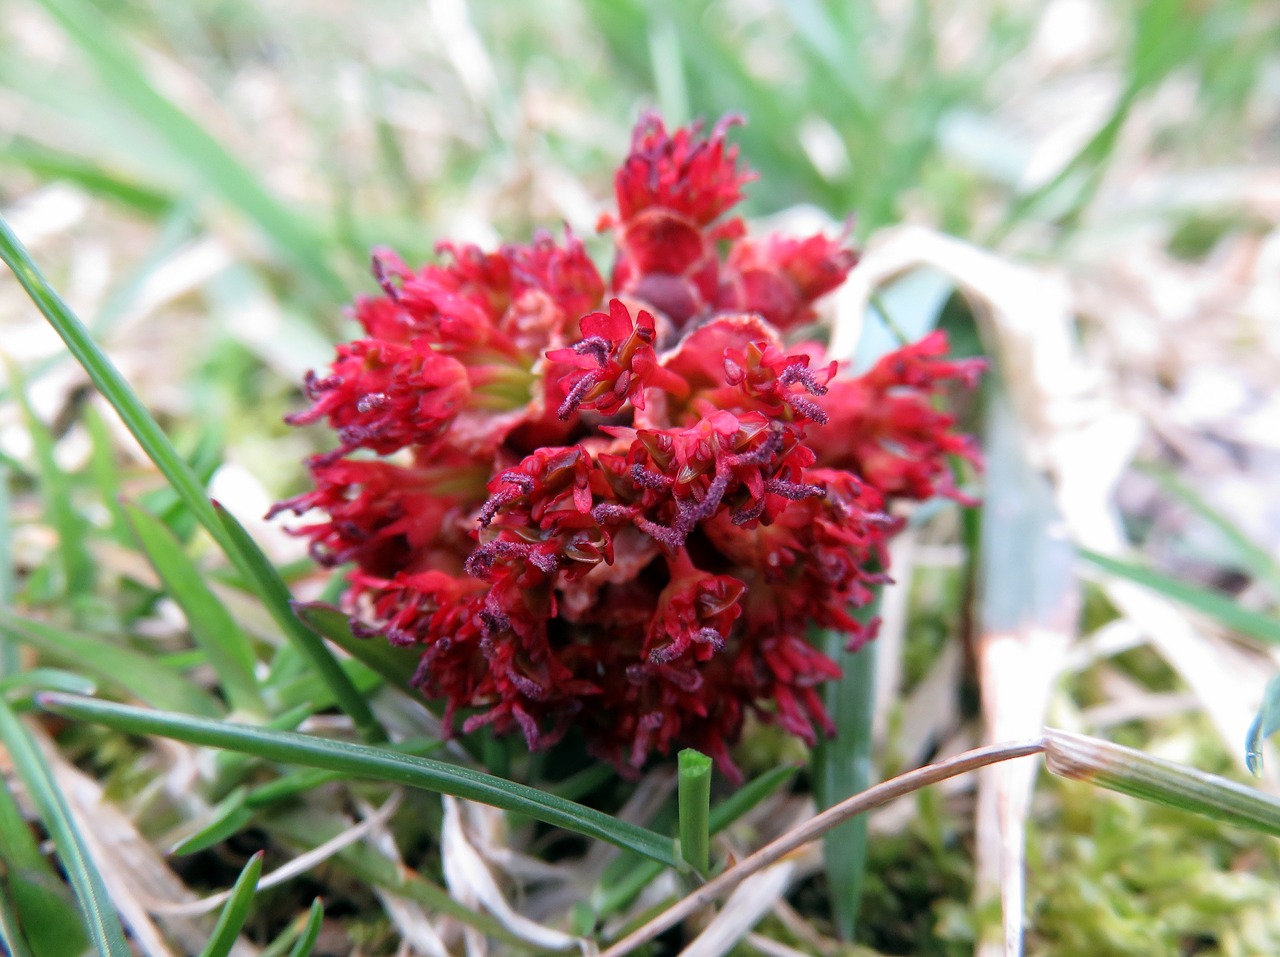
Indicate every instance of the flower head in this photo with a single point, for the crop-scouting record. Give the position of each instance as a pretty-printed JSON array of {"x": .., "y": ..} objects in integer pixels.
[{"x": 618, "y": 508}]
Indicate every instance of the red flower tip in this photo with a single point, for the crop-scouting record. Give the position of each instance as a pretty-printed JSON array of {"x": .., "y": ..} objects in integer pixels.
[
  {"x": 385, "y": 396},
  {"x": 694, "y": 176}
]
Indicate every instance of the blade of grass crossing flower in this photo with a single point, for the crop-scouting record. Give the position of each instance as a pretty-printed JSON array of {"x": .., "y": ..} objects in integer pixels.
[
  {"x": 236, "y": 910},
  {"x": 227, "y": 647},
  {"x": 233, "y": 540},
  {"x": 1144, "y": 776},
  {"x": 117, "y": 66},
  {"x": 41, "y": 919},
  {"x": 280, "y": 602},
  {"x": 1264, "y": 725},
  {"x": 694, "y": 796},
  {"x": 113, "y": 664},
  {"x": 842, "y": 767},
  {"x": 74, "y": 562},
  {"x": 381, "y": 764},
  {"x": 91, "y": 894},
  {"x": 1220, "y": 607}
]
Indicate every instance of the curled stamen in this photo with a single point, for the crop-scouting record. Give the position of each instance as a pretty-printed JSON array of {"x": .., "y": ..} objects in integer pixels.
[
  {"x": 523, "y": 485},
  {"x": 577, "y": 394},
  {"x": 799, "y": 372}
]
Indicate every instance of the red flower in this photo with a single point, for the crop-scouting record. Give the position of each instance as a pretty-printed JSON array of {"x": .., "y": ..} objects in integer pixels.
[
  {"x": 885, "y": 427},
  {"x": 780, "y": 277},
  {"x": 619, "y": 510}
]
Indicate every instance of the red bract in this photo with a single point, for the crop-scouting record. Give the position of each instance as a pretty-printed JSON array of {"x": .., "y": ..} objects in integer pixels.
[{"x": 618, "y": 510}]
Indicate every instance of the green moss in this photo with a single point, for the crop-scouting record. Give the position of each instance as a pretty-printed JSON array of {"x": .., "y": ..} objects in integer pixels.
[{"x": 1111, "y": 875}]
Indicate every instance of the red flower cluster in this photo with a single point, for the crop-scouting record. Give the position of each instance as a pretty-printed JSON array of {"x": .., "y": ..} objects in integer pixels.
[{"x": 621, "y": 521}]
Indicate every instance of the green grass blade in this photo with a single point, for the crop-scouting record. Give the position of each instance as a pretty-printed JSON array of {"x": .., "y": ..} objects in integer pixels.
[
  {"x": 106, "y": 476},
  {"x": 12, "y": 942},
  {"x": 236, "y": 910},
  {"x": 694, "y": 796},
  {"x": 311, "y": 933},
  {"x": 1145, "y": 776},
  {"x": 49, "y": 164},
  {"x": 55, "y": 485},
  {"x": 280, "y": 602},
  {"x": 48, "y": 679},
  {"x": 226, "y": 818},
  {"x": 300, "y": 936},
  {"x": 841, "y": 767},
  {"x": 91, "y": 894},
  {"x": 1253, "y": 558},
  {"x": 117, "y": 67},
  {"x": 1222, "y": 608},
  {"x": 627, "y": 876},
  {"x": 137, "y": 673},
  {"x": 233, "y": 540},
  {"x": 43, "y": 919},
  {"x": 362, "y": 761},
  {"x": 10, "y": 660},
  {"x": 393, "y": 663},
  {"x": 227, "y": 647}
]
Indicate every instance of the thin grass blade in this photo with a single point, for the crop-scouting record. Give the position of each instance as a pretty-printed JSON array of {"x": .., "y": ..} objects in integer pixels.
[
  {"x": 1220, "y": 607},
  {"x": 1145, "y": 776},
  {"x": 236, "y": 910},
  {"x": 841, "y": 767},
  {"x": 307, "y": 942},
  {"x": 628, "y": 876},
  {"x": 362, "y": 761},
  {"x": 10, "y": 658},
  {"x": 139, "y": 674},
  {"x": 226, "y": 818},
  {"x": 395, "y": 664},
  {"x": 91, "y": 894},
  {"x": 55, "y": 485},
  {"x": 43, "y": 920},
  {"x": 1253, "y": 558},
  {"x": 279, "y": 602},
  {"x": 226, "y": 646}
]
